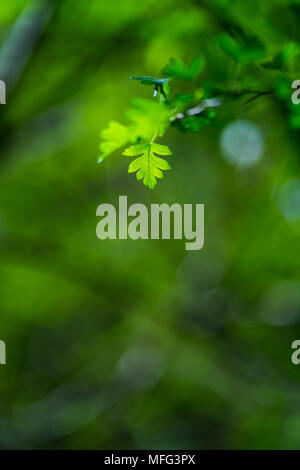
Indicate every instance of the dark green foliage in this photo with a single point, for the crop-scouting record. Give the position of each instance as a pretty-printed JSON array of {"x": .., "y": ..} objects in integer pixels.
[
  {"x": 242, "y": 51},
  {"x": 177, "y": 69}
]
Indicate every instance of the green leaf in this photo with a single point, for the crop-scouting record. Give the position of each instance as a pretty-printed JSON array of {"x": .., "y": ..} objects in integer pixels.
[
  {"x": 148, "y": 117},
  {"x": 290, "y": 51},
  {"x": 148, "y": 164},
  {"x": 113, "y": 137},
  {"x": 181, "y": 100},
  {"x": 135, "y": 150},
  {"x": 161, "y": 85},
  {"x": 159, "y": 149},
  {"x": 195, "y": 123},
  {"x": 177, "y": 69},
  {"x": 242, "y": 52},
  {"x": 151, "y": 80}
]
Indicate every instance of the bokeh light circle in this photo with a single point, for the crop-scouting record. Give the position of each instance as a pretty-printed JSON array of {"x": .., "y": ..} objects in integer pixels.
[{"x": 242, "y": 143}]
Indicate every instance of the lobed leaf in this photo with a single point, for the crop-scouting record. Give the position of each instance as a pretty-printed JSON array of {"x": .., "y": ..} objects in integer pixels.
[
  {"x": 148, "y": 165},
  {"x": 113, "y": 137},
  {"x": 148, "y": 117}
]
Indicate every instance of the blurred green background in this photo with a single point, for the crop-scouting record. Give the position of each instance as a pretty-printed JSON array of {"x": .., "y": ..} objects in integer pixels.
[{"x": 123, "y": 344}]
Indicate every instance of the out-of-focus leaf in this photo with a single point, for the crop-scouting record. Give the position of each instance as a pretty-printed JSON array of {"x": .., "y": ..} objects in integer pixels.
[
  {"x": 290, "y": 51},
  {"x": 285, "y": 58},
  {"x": 177, "y": 69},
  {"x": 147, "y": 118},
  {"x": 160, "y": 84},
  {"x": 273, "y": 62},
  {"x": 151, "y": 80},
  {"x": 182, "y": 100},
  {"x": 113, "y": 137},
  {"x": 241, "y": 52},
  {"x": 194, "y": 123},
  {"x": 283, "y": 89}
]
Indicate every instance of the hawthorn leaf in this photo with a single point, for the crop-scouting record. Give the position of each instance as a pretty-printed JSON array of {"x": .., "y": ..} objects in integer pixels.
[
  {"x": 147, "y": 117},
  {"x": 148, "y": 165},
  {"x": 113, "y": 137}
]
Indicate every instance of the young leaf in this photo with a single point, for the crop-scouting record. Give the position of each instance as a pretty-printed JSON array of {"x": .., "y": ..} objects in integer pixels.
[
  {"x": 160, "y": 85},
  {"x": 151, "y": 80},
  {"x": 113, "y": 137},
  {"x": 147, "y": 117},
  {"x": 148, "y": 164}
]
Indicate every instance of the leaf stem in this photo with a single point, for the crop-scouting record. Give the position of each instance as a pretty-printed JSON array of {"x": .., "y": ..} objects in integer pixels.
[{"x": 153, "y": 138}]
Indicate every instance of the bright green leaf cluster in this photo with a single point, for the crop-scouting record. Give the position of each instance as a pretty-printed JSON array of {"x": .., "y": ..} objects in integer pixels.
[
  {"x": 146, "y": 119},
  {"x": 149, "y": 119}
]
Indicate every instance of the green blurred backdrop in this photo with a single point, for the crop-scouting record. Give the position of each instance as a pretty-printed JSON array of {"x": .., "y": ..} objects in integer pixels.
[{"x": 140, "y": 344}]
